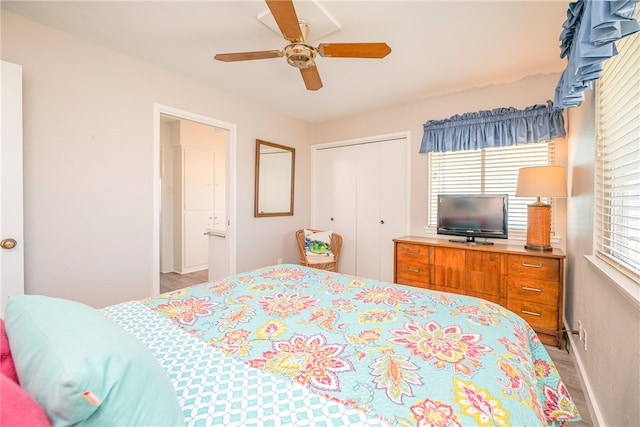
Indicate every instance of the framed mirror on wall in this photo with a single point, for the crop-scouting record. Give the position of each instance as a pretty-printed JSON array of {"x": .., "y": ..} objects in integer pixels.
[{"x": 275, "y": 171}]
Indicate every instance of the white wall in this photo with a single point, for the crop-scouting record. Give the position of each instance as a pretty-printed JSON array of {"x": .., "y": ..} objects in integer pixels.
[
  {"x": 88, "y": 146},
  {"x": 611, "y": 362}
]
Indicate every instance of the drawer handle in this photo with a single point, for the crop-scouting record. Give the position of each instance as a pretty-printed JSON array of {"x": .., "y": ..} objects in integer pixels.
[
  {"x": 417, "y": 270},
  {"x": 526, "y": 288},
  {"x": 539, "y": 265},
  {"x": 530, "y": 313},
  {"x": 410, "y": 251}
]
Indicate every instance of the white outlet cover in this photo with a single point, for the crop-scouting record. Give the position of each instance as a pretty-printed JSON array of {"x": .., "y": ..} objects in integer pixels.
[{"x": 320, "y": 22}]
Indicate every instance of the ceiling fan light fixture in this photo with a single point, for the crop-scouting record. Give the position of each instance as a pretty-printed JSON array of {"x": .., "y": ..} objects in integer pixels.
[
  {"x": 300, "y": 55},
  {"x": 298, "y": 52}
]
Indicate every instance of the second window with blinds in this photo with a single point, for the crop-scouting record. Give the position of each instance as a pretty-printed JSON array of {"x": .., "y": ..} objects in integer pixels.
[{"x": 488, "y": 171}]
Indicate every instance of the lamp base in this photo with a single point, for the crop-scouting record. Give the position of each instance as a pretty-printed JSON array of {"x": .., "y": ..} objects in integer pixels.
[
  {"x": 538, "y": 227},
  {"x": 537, "y": 247}
]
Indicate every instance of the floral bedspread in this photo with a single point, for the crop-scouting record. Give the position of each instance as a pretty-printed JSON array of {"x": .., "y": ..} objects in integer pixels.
[{"x": 402, "y": 355}]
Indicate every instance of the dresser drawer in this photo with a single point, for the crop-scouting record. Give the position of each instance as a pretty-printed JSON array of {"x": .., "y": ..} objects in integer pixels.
[
  {"x": 412, "y": 264},
  {"x": 408, "y": 253},
  {"x": 414, "y": 273},
  {"x": 537, "y": 315},
  {"x": 537, "y": 291},
  {"x": 539, "y": 268}
]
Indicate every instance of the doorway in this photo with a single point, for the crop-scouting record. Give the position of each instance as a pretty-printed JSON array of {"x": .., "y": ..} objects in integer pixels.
[{"x": 192, "y": 155}]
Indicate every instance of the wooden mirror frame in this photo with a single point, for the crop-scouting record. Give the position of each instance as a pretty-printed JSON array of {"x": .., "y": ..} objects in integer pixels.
[{"x": 261, "y": 174}]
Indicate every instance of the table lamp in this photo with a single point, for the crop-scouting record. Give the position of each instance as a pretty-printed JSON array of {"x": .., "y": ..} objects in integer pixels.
[{"x": 540, "y": 181}]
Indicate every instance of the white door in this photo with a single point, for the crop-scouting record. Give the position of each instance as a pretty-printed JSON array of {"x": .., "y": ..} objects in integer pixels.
[
  {"x": 335, "y": 200},
  {"x": 394, "y": 201},
  {"x": 381, "y": 206},
  {"x": 368, "y": 184},
  {"x": 11, "y": 221},
  {"x": 368, "y": 203}
]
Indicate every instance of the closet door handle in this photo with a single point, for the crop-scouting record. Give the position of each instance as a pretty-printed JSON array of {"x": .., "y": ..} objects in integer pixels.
[
  {"x": 382, "y": 221},
  {"x": 8, "y": 243}
]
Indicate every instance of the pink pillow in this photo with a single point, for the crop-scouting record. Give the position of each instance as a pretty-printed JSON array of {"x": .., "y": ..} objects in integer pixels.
[
  {"x": 17, "y": 408},
  {"x": 6, "y": 361}
]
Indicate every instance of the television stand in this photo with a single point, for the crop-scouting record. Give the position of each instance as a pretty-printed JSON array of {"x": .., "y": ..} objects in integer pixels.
[{"x": 471, "y": 240}]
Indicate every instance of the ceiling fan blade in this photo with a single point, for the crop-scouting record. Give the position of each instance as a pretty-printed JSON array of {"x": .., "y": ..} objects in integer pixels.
[
  {"x": 285, "y": 15},
  {"x": 354, "y": 50},
  {"x": 311, "y": 78},
  {"x": 246, "y": 56}
]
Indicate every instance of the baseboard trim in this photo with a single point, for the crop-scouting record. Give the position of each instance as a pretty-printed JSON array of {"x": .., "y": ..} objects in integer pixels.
[{"x": 592, "y": 404}]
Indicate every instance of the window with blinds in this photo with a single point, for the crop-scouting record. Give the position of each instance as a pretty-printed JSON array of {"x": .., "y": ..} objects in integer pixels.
[
  {"x": 617, "y": 192},
  {"x": 488, "y": 171}
]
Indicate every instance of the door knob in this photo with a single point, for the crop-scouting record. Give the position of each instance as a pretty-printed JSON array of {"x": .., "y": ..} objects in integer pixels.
[
  {"x": 382, "y": 221},
  {"x": 8, "y": 243}
]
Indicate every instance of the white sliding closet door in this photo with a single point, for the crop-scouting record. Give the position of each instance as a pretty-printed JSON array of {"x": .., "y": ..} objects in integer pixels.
[
  {"x": 394, "y": 201},
  {"x": 335, "y": 206},
  {"x": 381, "y": 206},
  {"x": 368, "y": 210},
  {"x": 361, "y": 193}
]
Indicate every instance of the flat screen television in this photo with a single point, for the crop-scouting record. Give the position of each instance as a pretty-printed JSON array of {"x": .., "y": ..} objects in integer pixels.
[{"x": 473, "y": 215}]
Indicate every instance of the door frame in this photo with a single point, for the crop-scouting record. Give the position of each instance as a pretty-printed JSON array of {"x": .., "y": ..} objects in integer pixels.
[{"x": 230, "y": 173}]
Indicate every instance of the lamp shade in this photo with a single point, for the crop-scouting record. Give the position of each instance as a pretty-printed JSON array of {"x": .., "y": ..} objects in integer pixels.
[{"x": 542, "y": 181}]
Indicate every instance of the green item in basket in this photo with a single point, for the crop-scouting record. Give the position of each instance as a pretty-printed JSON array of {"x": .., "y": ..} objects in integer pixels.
[{"x": 318, "y": 247}]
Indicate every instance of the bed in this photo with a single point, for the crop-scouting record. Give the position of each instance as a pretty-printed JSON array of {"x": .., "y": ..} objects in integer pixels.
[{"x": 289, "y": 345}]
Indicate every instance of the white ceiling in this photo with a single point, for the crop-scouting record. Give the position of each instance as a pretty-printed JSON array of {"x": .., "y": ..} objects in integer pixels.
[{"x": 437, "y": 47}]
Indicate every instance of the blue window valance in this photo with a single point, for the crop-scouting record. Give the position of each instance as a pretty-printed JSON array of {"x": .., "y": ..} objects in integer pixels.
[
  {"x": 495, "y": 128},
  {"x": 587, "y": 40}
]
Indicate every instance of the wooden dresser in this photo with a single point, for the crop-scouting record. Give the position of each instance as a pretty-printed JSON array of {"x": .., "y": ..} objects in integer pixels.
[{"x": 527, "y": 282}]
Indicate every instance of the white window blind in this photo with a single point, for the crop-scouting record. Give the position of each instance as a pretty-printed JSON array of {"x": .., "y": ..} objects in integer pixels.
[
  {"x": 617, "y": 194},
  {"x": 487, "y": 171}
]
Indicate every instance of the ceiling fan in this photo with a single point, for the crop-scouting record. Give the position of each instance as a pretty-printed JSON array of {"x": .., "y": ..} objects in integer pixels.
[{"x": 301, "y": 55}]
